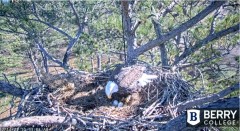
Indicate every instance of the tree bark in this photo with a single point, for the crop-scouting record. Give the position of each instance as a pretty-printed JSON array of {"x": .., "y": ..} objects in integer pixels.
[
  {"x": 163, "y": 50},
  {"x": 11, "y": 89},
  {"x": 129, "y": 32},
  {"x": 35, "y": 120},
  {"x": 33, "y": 61}
]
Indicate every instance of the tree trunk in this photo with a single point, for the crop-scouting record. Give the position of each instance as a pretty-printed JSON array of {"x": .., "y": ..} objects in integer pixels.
[
  {"x": 129, "y": 35},
  {"x": 163, "y": 50}
]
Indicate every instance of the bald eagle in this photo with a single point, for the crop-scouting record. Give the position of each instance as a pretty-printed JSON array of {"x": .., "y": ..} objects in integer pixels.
[{"x": 128, "y": 80}]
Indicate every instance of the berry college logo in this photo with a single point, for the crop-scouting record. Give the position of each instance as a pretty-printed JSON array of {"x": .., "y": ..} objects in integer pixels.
[
  {"x": 213, "y": 117},
  {"x": 193, "y": 117}
]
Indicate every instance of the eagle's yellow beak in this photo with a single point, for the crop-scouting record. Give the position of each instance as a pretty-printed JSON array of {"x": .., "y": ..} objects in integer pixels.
[{"x": 109, "y": 96}]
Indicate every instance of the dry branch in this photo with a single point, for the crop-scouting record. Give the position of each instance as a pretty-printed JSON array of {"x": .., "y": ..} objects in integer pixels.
[
  {"x": 35, "y": 120},
  {"x": 11, "y": 89},
  {"x": 200, "y": 101}
]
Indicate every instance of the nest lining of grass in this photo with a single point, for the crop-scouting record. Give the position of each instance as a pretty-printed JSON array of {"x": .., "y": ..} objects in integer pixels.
[{"x": 81, "y": 96}]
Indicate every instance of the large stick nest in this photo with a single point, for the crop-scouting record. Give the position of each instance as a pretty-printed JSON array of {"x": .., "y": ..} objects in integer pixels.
[{"x": 80, "y": 96}]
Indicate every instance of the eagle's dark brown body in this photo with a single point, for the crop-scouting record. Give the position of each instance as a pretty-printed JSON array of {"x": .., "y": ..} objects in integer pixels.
[{"x": 127, "y": 80}]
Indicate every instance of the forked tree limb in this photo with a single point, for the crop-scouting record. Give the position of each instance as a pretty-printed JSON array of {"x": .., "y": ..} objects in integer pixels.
[
  {"x": 74, "y": 40},
  {"x": 75, "y": 13},
  {"x": 200, "y": 101},
  {"x": 47, "y": 54}
]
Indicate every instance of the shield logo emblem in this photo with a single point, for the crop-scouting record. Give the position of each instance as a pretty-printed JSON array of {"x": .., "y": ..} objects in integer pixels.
[{"x": 193, "y": 116}]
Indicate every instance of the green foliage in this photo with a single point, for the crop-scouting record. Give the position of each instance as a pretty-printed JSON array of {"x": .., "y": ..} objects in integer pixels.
[
  {"x": 229, "y": 20},
  {"x": 84, "y": 64},
  {"x": 11, "y": 53},
  {"x": 10, "y": 62},
  {"x": 103, "y": 32},
  {"x": 229, "y": 128}
]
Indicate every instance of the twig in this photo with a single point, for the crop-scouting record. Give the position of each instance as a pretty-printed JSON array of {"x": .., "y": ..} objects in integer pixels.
[
  {"x": 5, "y": 77},
  {"x": 203, "y": 83},
  {"x": 135, "y": 26}
]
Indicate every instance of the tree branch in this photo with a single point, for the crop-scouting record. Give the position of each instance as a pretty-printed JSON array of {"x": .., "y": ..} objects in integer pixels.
[
  {"x": 163, "y": 50},
  {"x": 75, "y": 13},
  {"x": 70, "y": 45},
  {"x": 11, "y": 89},
  {"x": 33, "y": 61},
  {"x": 205, "y": 41},
  {"x": 181, "y": 28},
  {"x": 73, "y": 41},
  {"x": 53, "y": 27},
  {"x": 40, "y": 47},
  {"x": 168, "y": 9},
  {"x": 200, "y": 101},
  {"x": 135, "y": 26},
  {"x": 213, "y": 22},
  {"x": 35, "y": 120},
  {"x": 182, "y": 66},
  {"x": 15, "y": 32}
]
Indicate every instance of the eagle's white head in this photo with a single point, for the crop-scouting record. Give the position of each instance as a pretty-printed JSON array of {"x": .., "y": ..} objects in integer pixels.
[{"x": 111, "y": 88}]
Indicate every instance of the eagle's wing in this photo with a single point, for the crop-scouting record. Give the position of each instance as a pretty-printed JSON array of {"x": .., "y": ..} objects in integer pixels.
[
  {"x": 128, "y": 77},
  {"x": 145, "y": 79}
]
